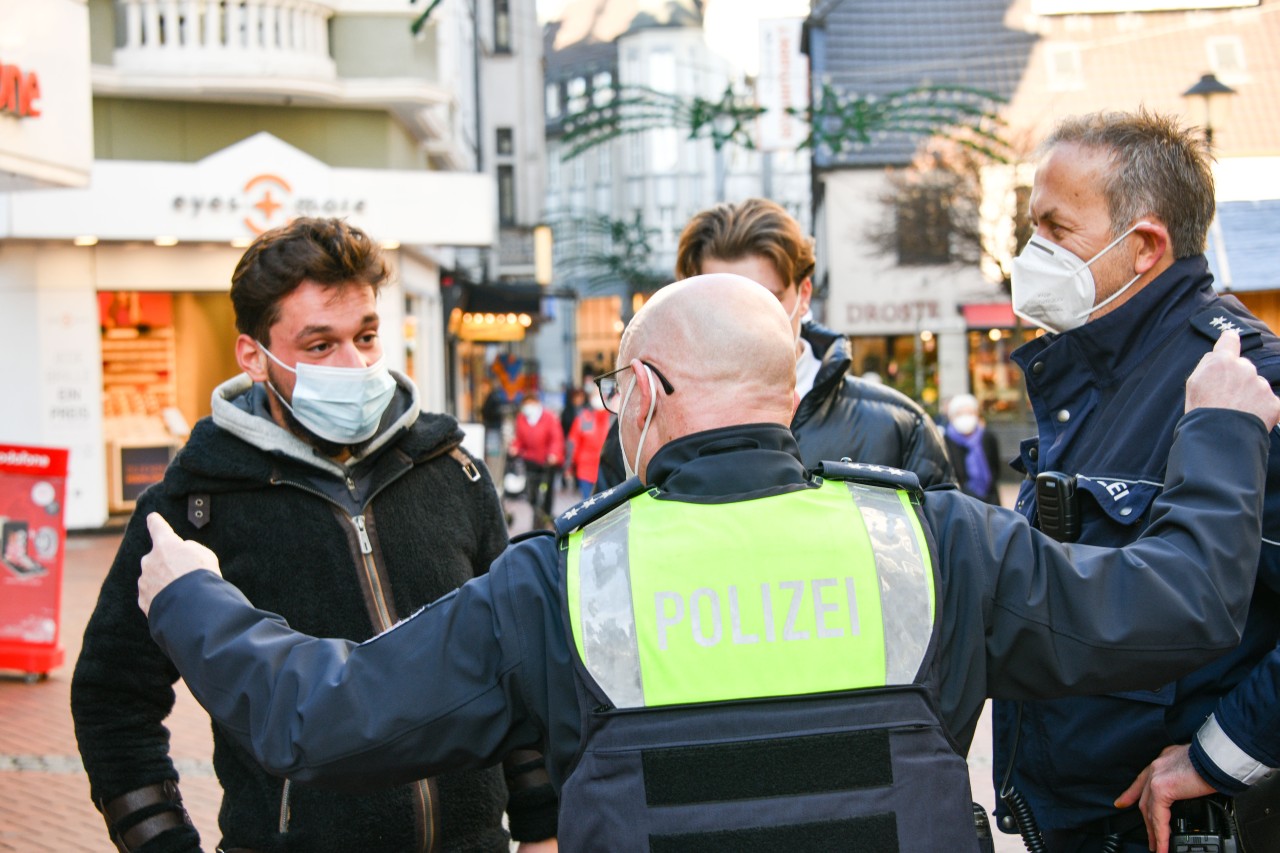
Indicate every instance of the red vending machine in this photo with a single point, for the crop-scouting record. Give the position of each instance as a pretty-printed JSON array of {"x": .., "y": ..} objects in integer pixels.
[{"x": 32, "y": 545}]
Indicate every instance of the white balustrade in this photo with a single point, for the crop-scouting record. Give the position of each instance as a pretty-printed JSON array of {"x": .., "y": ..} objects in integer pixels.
[{"x": 240, "y": 38}]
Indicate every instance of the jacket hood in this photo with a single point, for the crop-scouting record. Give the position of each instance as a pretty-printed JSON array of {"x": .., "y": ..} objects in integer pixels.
[{"x": 241, "y": 442}]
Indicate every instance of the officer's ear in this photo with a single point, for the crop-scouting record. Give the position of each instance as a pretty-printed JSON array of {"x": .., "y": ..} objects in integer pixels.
[
  {"x": 1155, "y": 250},
  {"x": 646, "y": 384}
]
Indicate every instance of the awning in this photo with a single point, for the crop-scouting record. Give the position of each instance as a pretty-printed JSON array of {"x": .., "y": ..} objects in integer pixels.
[
  {"x": 502, "y": 298},
  {"x": 989, "y": 315}
]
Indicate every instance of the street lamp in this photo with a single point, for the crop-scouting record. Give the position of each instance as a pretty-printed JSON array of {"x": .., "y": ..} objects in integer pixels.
[{"x": 1213, "y": 93}]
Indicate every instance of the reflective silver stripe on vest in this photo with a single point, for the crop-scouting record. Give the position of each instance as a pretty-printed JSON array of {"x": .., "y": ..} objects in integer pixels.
[
  {"x": 904, "y": 580},
  {"x": 611, "y": 651}
]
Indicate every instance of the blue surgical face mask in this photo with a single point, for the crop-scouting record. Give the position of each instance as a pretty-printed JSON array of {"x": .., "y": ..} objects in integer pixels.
[{"x": 340, "y": 404}]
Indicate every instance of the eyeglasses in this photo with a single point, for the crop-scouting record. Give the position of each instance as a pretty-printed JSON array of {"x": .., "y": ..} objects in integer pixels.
[{"x": 608, "y": 386}]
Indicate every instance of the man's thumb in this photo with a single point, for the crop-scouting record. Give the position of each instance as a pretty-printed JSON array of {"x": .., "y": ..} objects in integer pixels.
[
  {"x": 158, "y": 528},
  {"x": 1228, "y": 343}
]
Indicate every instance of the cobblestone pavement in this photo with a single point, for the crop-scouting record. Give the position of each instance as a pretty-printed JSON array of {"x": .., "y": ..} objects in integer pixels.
[{"x": 44, "y": 793}]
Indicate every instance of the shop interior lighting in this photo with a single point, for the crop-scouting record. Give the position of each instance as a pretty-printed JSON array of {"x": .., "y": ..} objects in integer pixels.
[
  {"x": 166, "y": 241},
  {"x": 995, "y": 334},
  {"x": 86, "y": 240}
]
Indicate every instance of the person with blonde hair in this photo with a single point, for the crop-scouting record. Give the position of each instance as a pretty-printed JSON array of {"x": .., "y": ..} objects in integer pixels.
[{"x": 839, "y": 415}]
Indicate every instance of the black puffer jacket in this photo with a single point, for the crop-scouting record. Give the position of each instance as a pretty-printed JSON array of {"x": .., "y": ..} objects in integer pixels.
[
  {"x": 846, "y": 416},
  {"x": 842, "y": 416},
  {"x": 429, "y": 520}
]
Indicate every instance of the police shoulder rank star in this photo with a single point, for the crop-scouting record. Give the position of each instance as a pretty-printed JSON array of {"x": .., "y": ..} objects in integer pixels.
[{"x": 1215, "y": 320}]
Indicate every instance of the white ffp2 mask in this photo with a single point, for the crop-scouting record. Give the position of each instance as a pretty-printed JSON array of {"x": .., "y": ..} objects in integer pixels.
[{"x": 1054, "y": 288}]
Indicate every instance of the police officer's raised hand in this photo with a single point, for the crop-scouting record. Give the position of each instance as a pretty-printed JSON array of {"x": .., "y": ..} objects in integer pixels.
[
  {"x": 1224, "y": 380},
  {"x": 1169, "y": 778},
  {"x": 170, "y": 558}
]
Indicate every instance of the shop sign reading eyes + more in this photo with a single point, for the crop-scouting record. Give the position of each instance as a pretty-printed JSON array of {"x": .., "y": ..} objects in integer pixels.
[
  {"x": 265, "y": 202},
  {"x": 19, "y": 91}
]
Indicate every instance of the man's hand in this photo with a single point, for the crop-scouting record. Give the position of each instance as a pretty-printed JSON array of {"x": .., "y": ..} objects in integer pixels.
[
  {"x": 1224, "y": 380},
  {"x": 1169, "y": 778},
  {"x": 170, "y": 558}
]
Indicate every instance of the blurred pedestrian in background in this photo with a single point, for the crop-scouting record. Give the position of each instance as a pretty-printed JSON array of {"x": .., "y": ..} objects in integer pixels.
[
  {"x": 586, "y": 439},
  {"x": 491, "y": 414},
  {"x": 974, "y": 452},
  {"x": 539, "y": 444}
]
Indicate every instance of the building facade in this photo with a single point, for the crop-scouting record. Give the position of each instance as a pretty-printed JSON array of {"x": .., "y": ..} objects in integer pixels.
[
  {"x": 933, "y": 317},
  {"x": 619, "y": 206},
  {"x": 212, "y": 122}
]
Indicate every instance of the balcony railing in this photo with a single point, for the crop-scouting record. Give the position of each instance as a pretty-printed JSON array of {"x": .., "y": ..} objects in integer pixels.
[{"x": 237, "y": 38}]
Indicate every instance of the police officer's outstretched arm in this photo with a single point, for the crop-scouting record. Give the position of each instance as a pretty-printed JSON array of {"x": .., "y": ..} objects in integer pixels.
[
  {"x": 1172, "y": 776},
  {"x": 1064, "y": 619}
]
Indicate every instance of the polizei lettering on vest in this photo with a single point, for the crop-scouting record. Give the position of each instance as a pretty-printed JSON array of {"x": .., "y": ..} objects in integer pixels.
[{"x": 705, "y": 611}]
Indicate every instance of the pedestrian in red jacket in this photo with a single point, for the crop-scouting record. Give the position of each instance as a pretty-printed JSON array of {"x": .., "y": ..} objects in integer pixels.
[
  {"x": 539, "y": 443},
  {"x": 586, "y": 438}
]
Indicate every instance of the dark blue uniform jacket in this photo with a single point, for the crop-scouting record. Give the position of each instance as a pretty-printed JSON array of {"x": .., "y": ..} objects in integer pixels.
[
  {"x": 1107, "y": 397},
  {"x": 487, "y": 669}
]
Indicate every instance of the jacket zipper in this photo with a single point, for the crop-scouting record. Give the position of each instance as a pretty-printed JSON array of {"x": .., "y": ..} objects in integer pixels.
[
  {"x": 423, "y": 805},
  {"x": 424, "y": 801},
  {"x": 283, "y": 826}
]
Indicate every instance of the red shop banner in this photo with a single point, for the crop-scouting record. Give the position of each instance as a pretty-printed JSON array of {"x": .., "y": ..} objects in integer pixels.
[{"x": 32, "y": 546}]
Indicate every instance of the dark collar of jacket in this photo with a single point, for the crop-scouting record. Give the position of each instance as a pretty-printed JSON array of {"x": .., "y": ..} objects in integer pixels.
[
  {"x": 833, "y": 351},
  {"x": 213, "y": 460},
  {"x": 1112, "y": 344},
  {"x": 737, "y": 462}
]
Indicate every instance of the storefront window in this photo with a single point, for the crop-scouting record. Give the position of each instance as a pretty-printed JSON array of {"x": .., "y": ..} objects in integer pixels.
[
  {"x": 908, "y": 363},
  {"x": 996, "y": 381}
]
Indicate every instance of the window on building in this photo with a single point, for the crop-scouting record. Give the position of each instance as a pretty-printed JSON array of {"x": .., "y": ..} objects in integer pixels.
[
  {"x": 635, "y": 153},
  {"x": 602, "y": 88},
  {"x": 604, "y": 164},
  {"x": 924, "y": 225},
  {"x": 664, "y": 150},
  {"x": 553, "y": 170},
  {"x": 504, "y": 142},
  {"x": 553, "y": 100},
  {"x": 502, "y": 26},
  {"x": 1066, "y": 71},
  {"x": 506, "y": 195},
  {"x": 1226, "y": 58},
  {"x": 577, "y": 90},
  {"x": 668, "y": 230}
]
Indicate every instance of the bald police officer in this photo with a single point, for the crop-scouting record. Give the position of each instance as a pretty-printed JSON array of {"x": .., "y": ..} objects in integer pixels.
[{"x": 728, "y": 652}]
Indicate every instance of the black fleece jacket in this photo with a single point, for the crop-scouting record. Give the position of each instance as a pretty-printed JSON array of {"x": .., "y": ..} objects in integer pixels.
[{"x": 431, "y": 522}]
